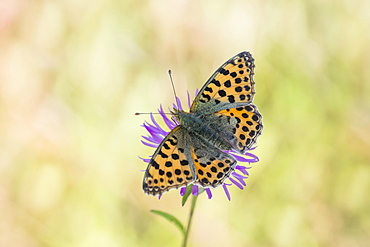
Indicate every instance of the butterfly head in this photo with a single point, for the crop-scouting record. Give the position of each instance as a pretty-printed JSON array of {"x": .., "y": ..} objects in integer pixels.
[
  {"x": 186, "y": 119},
  {"x": 176, "y": 113}
]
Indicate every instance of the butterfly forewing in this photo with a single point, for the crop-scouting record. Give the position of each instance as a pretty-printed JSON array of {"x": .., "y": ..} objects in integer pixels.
[
  {"x": 230, "y": 86},
  {"x": 170, "y": 166}
]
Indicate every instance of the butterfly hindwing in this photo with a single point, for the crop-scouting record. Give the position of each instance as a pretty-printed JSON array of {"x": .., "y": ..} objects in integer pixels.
[
  {"x": 170, "y": 166},
  {"x": 231, "y": 129},
  {"x": 244, "y": 124},
  {"x": 212, "y": 166},
  {"x": 232, "y": 85}
]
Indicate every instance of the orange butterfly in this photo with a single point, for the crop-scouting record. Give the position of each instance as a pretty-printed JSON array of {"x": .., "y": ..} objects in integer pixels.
[{"x": 222, "y": 117}]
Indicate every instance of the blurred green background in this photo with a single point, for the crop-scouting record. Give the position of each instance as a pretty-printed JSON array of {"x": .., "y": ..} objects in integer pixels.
[{"x": 73, "y": 73}]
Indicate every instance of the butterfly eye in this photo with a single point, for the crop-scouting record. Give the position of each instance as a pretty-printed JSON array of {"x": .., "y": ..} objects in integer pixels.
[{"x": 175, "y": 116}]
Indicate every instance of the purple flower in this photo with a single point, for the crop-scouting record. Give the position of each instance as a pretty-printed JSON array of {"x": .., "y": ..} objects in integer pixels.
[{"x": 157, "y": 134}]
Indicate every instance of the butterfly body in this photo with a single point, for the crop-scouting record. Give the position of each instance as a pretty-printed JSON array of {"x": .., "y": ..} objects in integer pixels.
[
  {"x": 222, "y": 117},
  {"x": 203, "y": 128}
]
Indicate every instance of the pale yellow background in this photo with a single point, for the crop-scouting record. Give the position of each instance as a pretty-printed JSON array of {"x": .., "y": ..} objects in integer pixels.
[{"x": 74, "y": 72}]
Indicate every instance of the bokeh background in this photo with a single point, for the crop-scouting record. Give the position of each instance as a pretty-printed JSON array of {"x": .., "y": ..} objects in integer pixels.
[{"x": 74, "y": 72}]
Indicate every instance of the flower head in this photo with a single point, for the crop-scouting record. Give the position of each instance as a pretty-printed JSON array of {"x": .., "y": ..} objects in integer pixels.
[{"x": 157, "y": 134}]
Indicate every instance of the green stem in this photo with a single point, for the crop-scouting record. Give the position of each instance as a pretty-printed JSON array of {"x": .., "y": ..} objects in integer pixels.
[{"x": 193, "y": 203}]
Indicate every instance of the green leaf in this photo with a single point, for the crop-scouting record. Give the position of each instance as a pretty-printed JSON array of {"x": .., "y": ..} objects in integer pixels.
[
  {"x": 187, "y": 194},
  {"x": 171, "y": 219}
]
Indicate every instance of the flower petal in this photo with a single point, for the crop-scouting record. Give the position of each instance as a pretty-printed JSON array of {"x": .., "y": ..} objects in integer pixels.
[
  {"x": 182, "y": 191},
  {"x": 162, "y": 131},
  {"x": 189, "y": 102},
  {"x": 179, "y": 106},
  {"x": 157, "y": 137},
  {"x": 209, "y": 192},
  {"x": 195, "y": 190},
  {"x": 165, "y": 118},
  {"x": 144, "y": 159},
  {"x": 256, "y": 159},
  {"x": 240, "y": 178},
  {"x": 236, "y": 183},
  {"x": 150, "y": 139},
  {"x": 226, "y": 191},
  {"x": 240, "y": 158},
  {"x": 149, "y": 144},
  {"x": 243, "y": 169}
]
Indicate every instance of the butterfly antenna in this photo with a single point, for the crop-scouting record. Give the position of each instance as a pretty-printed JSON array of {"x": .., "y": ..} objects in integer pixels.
[
  {"x": 173, "y": 87},
  {"x": 144, "y": 113}
]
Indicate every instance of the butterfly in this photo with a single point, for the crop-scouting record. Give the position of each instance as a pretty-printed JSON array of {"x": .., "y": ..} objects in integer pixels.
[{"x": 221, "y": 118}]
